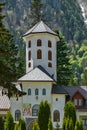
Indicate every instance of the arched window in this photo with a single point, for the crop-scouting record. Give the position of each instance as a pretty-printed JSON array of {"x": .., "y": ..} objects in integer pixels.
[
  {"x": 39, "y": 54},
  {"x": 36, "y": 91},
  {"x": 29, "y": 91},
  {"x": 29, "y": 55},
  {"x": 35, "y": 110},
  {"x": 56, "y": 116},
  {"x": 29, "y": 44},
  {"x": 29, "y": 65},
  {"x": 39, "y": 42},
  {"x": 49, "y": 55},
  {"x": 49, "y": 64},
  {"x": 49, "y": 44},
  {"x": 44, "y": 91},
  {"x": 17, "y": 115}
]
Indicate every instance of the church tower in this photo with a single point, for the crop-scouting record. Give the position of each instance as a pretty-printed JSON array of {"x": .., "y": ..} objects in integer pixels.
[{"x": 41, "y": 43}]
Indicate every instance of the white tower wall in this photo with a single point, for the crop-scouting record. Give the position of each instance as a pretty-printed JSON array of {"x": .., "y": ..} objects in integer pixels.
[{"x": 44, "y": 37}]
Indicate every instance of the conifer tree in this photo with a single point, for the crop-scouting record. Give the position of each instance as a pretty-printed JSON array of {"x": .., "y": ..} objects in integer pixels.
[
  {"x": 35, "y": 126},
  {"x": 69, "y": 115},
  {"x": 36, "y": 10},
  {"x": 1, "y": 124},
  {"x": 16, "y": 127},
  {"x": 50, "y": 126},
  {"x": 9, "y": 122},
  {"x": 79, "y": 125},
  {"x": 21, "y": 125},
  {"x": 63, "y": 62},
  {"x": 8, "y": 57},
  {"x": 43, "y": 115},
  {"x": 85, "y": 76}
]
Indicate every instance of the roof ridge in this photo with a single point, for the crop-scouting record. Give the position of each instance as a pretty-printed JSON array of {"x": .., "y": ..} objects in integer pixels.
[
  {"x": 35, "y": 26},
  {"x": 40, "y": 27},
  {"x": 42, "y": 69}
]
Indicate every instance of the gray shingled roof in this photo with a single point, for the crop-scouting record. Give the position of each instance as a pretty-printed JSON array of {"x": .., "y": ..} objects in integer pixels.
[
  {"x": 69, "y": 90},
  {"x": 40, "y": 27},
  {"x": 58, "y": 90},
  {"x": 37, "y": 74},
  {"x": 72, "y": 90},
  {"x": 4, "y": 102}
]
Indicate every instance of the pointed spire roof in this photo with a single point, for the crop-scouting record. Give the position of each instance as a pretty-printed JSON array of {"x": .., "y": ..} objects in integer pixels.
[{"x": 40, "y": 27}]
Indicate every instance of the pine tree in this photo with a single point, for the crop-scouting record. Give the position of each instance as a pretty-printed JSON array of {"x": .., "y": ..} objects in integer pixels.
[
  {"x": 63, "y": 62},
  {"x": 9, "y": 122},
  {"x": 36, "y": 11},
  {"x": 43, "y": 115}
]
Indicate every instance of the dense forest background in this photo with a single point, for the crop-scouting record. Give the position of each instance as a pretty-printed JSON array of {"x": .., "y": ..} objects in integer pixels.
[{"x": 64, "y": 15}]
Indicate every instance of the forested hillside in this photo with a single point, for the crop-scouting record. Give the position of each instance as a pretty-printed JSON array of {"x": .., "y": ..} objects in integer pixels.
[{"x": 65, "y": 15}]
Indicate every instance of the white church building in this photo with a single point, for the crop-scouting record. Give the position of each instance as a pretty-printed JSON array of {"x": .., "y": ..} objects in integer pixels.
[{"x": 39, "y": 82}]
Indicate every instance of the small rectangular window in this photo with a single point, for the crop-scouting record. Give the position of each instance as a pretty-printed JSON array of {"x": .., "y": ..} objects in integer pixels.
[
  {"x": 29, "y": 44},
  {"x": 49, "y": 44},
  {"x": 76, "y": 102},
  {"x": 80, "y": 102}
]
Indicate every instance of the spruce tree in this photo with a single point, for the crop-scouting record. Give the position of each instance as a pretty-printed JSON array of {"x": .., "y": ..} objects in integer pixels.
[
  {"x": 64, "y": 71},
  {"x": 43, "y": 115},
  {"x": 8, "y": 57},
  {"x": 9, "y": 122},
  {"x": 36, "y": 10}
]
